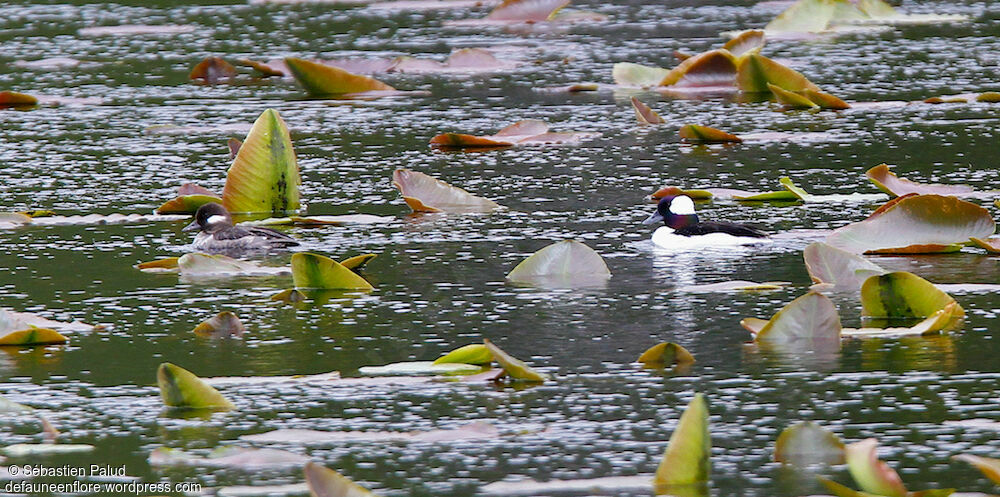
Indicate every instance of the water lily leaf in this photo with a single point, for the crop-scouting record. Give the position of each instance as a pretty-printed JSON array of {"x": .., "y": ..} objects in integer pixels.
[
  {"x": 989, "y": 466},
  {"x": 204, "y": 265},
  {"x": 842, "y": 491},
  {"x": 778, "y": 196},
  {"x": 644, "y": 114},
  {"x": 903, "y": 295},
  {"x": 264, "y": 176},
  {"x": 323, "y": 80},
  {"x": 527, "y": 10},
  {"x": 222, "y": 325},
  {"x": 704, "y": 134},
  {"x": 934, "y": 323},
  {"x": 526, "y": 132},
  {"x": 673, "y": 190},
  {"x": 869, "y": 473},
  {"x": 16, "y": 321},
  {"x": 186, "y": 204},
  {"x": 475, "y": 353},
  {"x": 990, "y": 244},
  {"x": 516, "y": 369},
  {"x": 810, "y": 318},
  {"x": 182, "y": 389},
  {"x": 424, "y": 193},
  {"x": 808, "y": 443},
  {"x": 791, "y": 100},
  {"x": 666, "y": 354},
  {"x": 136, "y": 30},
  {"x": 757, "y": 71},
  {"x": 165, "y": 265},
  {"x": 844, "y": 270},
  {"x": 33, "y": 336},
  {"x": 472, "y": 431},
  {"x": 8, "y": 406},
  {"x": 325, "y": 482},
  {"x": 568, "y": 261},
  {"x": 989, "y": 96},
  {"x": 746, "y": 42},
  {"x": 629, "y": 74},
  {"x": 609, "y": 485},
  {"x": 888, "y": 182},
  {"x": 14, "y": 99},
  {"x": 714, "y": 68},
  {"x": 731, "y": 286},
  {"x": 876, "y": 9},
  {"x": 417, "y": 368},
  {"x": 320, "y": 220},
  {"x": 228, "y": 457},
  {"x": 316, "y": 271},
  {"x": 465, "y": 60},
  {"x": 357, "y": 262},
  {"x": 212, "y": 70},
  {"x": 686, "y": 461},
  {"x": 262, "y": 69},
  {"x": 46, "y": 449},
  {"x": 825, "y": 100},
  {"x": 804, "y": 16},
  {"x": 911, "y": 221}
]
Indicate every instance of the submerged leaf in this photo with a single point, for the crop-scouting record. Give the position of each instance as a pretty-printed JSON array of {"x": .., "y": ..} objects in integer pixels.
[
  {"x": 228, "y": 457},
  {"x": 205, "y": 265},
  {"x": 989, "y": 466},
  {"x": 316, "y": 271},
  {"x": 424, "y": 193},
  {"x": 735, "y": 285},
  {"x": 686, "y": 461},
  {"x": 527, "y": 10},
  {"x": 644, "y": 114},
  {"x": 325, "y": 482},
  {"x": 33, "y": 336},
  {"x": 915, "y": 224},
  {"x": 757, "y": 71},
  {"x": 869, "y": 473},
  {"x": 322, "y": 80},
  {"x": 704, "y": 134},
  {"x": 934, "y": 323},
  {"x": 666, "y": 354},
  {"x": 808, "y": 443},
  {"x": 264, "y": 176},
  {"x": 182, "y": 389},
  {"x": 568, "y": 261},
  {"x": 844, "y": 270},
  {"x": 222, "y": 325},
  {"x": 903, "y": 295},
  {"x": 475, "y": 353},
  {"x": 810, "y": 318},
  {"x": 14, "y": 99},
  {"x": 888, "y": 182},
  {"x": 46, "y": 449},
  {"x": 516, "y": 369},
  {"x": 417, "y": 368},
  {"x": 629, "y": 74}
]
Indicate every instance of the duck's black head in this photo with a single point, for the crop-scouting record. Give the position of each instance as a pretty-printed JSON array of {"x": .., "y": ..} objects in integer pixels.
[
  {"x": 210, "y": 218},
  {"x": 674, "y": 211}
]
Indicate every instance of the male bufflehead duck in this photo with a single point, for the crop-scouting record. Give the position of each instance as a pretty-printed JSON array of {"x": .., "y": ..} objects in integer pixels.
[
  {"x": 682, "y": 228},
  {"x": 218, "y": 233}
]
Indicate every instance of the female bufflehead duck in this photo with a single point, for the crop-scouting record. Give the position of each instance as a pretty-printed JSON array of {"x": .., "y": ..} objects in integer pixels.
[
  {"x": 218, "y": 233},
  {"x": 682, "y": 229}
]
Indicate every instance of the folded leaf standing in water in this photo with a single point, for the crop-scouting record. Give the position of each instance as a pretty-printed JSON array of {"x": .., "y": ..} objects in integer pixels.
[
  {"x": 182, "y": 389},
  {"x": 424, "y": 193}
]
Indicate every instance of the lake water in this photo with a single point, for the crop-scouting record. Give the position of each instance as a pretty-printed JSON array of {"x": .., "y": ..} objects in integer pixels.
[{"x": 440, "y": 278}]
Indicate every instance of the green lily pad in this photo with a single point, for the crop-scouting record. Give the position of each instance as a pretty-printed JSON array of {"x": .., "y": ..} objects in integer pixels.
[
  {"x": 180, "y": 388},
  {"x": 844, "y": 270},
  {"x": 755, "y": 72},
  {"x": 475, "y": 353},
  {"x": 321, "y": 80},
  {"x": 316, "y": 271},
  {"x": 33, "y": 336},
  {"x": 686, "y": 461},
  {"x": 915, "y": 224},
  {"x": 357, "y": 262},
  {"x": 516, "y": 369},
  {"x": 935, "y": 323},
  {"x": 186, "y": 204},
  {"x": 705, "y": 134},
  {"x": 810, "y": 318},
  {"x": 872, "y": 475},
  {"x": 666, "y": 354},
  {"x": 264, "y": 176},
  {"x": 790, "y": 99},
  {"x": 325, "y": 482},
  {"x": 808, "y": 443},
  {"x": 903, "y": 295},
  {"x": 568, "y": 262},
  {"x": 419, "y": 368}
]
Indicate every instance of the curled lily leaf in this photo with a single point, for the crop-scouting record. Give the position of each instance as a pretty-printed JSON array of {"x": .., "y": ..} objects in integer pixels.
[
  {"x": 423, "y": 193},
  {"x": 325, "y": 482},
  {"x": 316, "y": 271},
  {"x": 869, "y": 473},
  {"x": 323, "y": 80},
  {"x": 686, "y": 461},
  {"x": 475, "y": 353},
  {"x": 808, "y": 443},
  {"x": 903, "y": 295},
  {"x": 182, "y": 389},
  {"x": 223, "y": 324},
  {"x": 810, "y": 318},
  {"x": 516, "y": 369},
  {"x": 705, "y": 134},
  {"x": 264, "y": 176},
  {"x": 666, "y": 354}
]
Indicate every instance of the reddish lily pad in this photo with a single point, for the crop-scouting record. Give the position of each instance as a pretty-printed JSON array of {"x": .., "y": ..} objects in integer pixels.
[
  {"x": 704, "y": 134},
  {"x": 186, "y": 204},
  {"x": 526, "y": 132},
  {"x": 323, "y": 80},
  {"x": 715, "y": 68},
  {"x": 222, "y": 325},
  {"x": 825, "y": 100},
  {"x": 212, "y": 70},
  {"x": 567, "y": 263},
  {"x": 527, "y": 10},
  {"x": 15, "y": 99},
  {"x": 888, "y": 182},
  {"x": 790, "y": 99},
  {"x": 644, "y": 114},
  {"x": 261, "y": 68},
  {"x": 915, "y": 224},
  {"x": 264, "y": 176},
  {"x": 166, "y": 265},
  {"x": 424, "y": 193}
]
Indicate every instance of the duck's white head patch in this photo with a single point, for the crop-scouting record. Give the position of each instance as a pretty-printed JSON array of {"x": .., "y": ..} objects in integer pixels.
[
  {"x": 682, "y": 205},
  {"x": 216, "y": 219}
]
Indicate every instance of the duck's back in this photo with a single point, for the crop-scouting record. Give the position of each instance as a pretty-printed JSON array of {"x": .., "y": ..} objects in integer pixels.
[
  {"x": 709, "y": 227},
  {"x": 239, "y": 237}
]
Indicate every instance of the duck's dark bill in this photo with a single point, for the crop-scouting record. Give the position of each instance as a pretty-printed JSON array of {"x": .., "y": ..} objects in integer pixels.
[
  {"x": 654, "y": 218},
  {"x": 192, "y": 227}
]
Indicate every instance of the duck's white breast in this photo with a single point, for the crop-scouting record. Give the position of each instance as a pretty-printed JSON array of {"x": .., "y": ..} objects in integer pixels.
[{"x": 664, "y": 236}]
